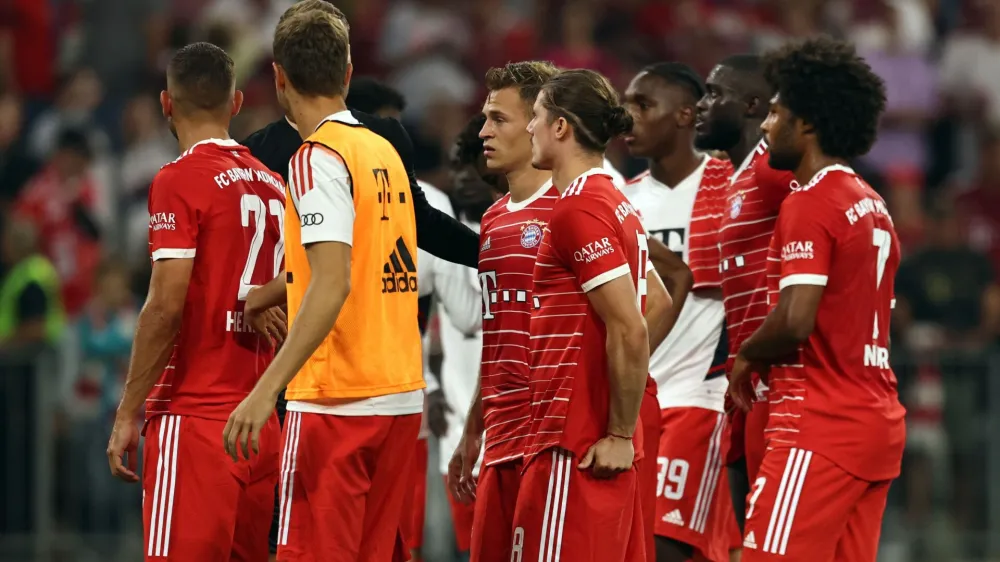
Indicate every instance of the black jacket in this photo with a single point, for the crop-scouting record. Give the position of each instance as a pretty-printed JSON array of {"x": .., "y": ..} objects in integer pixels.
[{"x": 437, "y": 233}]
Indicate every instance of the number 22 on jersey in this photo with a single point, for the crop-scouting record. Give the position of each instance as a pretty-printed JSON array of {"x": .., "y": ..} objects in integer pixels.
[{"x": 252, "y": 204}]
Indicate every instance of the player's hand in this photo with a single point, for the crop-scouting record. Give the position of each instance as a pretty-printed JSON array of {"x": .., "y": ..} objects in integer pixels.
[
  {"x": 608, "y": 457},
  {"x": 460, "y": 480},
  {"x": 269, "y": 322},
  {"x": 741, "y": 382},
  {"x": 245, "y": 423},
  {"x": 437, "y": 410},
  {"x": 123, "y": 449}
]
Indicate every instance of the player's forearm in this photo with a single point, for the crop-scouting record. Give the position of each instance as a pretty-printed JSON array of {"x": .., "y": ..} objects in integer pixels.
[
  {"x": 773, "y": 340},
  {"x": 317, "y": 315},
  {"x": 155, "y": 333},
  {"x": 628, "y": 368},
  {"x": 271, "y": 294},
  {"x": 474, "y": 423}
]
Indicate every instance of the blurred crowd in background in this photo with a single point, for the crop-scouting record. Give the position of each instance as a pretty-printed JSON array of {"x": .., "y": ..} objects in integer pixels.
[{"x": 81, "y": 136}]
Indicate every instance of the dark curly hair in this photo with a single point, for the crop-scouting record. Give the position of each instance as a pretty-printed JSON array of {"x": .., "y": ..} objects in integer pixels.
[
  {"x": 468, "y": 146},
  {"x": 826, "y": 84}
]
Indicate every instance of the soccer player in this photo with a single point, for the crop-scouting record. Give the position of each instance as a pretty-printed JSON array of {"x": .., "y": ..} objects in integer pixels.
[
  {"x": 729, "y": 118},
  {"x": 214, "y": 233},
  {"x": 439, "y": 234},
  {"x": 351, "y": 361},
  {"x": 836, "y": 429},
  {"x": 679, "y": 199},
  {"x": 579, "y": 495}
]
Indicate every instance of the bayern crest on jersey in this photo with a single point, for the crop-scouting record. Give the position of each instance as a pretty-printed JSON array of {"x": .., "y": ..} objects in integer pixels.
[
  {"x": 531, "y": 234},
  {"x": 736, "y": 206}
]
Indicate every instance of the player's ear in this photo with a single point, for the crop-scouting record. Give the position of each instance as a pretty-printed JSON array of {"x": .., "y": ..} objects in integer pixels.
[
  {"x": 237, "y": 103},
  {"x": 754, "y": 106},
  {"x": 685, "y": 117},
  {"x": 166, "y": 103},
  {"x": 279, "y": 77},
  {"x": 562, "y": 128}
]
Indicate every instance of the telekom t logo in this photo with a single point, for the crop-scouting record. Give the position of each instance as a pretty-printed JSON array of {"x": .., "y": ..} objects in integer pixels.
[{"x": 485, "y": 278}]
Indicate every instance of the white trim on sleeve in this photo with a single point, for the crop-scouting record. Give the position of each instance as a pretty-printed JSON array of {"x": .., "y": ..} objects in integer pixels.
[
  {"x": 173, "y": 253},
  {"x": 802, "y": 279},
  {"x": 605, "y": 277},
  {"x": 649, "y": 266}
]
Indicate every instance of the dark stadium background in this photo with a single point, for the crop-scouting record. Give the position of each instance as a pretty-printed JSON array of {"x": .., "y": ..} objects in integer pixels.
[{"x": 81, "y": 135}]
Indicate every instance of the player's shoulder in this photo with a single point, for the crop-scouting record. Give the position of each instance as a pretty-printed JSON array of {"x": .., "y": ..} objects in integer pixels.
[
  {"x": 717, "y": 172},
  {"x": 496, "y": 210},
  {"x": 386, "y": 127},
  {"x": 637, "y": 184},
  {"x": 771, "y": 179}
]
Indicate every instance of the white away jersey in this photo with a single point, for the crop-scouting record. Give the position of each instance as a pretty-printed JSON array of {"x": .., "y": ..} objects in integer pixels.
[{"x": 689, "y": 366}]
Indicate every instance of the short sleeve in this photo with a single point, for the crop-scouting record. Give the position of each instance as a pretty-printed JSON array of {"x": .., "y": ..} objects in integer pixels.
[
  {"x": 585, "y": 237},
  {"x": 321, "y": 190},
  {"x": 806, "y": 243},
  {"x": 174, "y": 213}
]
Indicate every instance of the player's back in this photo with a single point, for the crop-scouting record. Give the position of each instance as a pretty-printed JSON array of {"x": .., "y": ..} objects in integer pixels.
[
  {"x": 689, "y": 366},
  {"x": 510, "y": 237},
  {"x": 749, "y": 215},
  {"x": 839, "y": 394},
  {"x": 220, "y": 206},
  {"x": 594, "y": 236}
]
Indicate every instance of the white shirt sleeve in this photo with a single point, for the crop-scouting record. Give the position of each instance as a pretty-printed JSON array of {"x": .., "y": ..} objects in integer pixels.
[
  {"x": 321, "y": 190},
  {"x": 457, "y": 288}
]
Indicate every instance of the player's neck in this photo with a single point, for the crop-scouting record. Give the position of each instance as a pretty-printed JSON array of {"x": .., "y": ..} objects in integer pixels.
[
  {"x": 308, "y": 113},
  {"x": 748, "y": 142},
  {"x": 676, "y": 166},
  {"x": 525, "y": 182},
  {"x": 190, "y": 134},
  {"x": 573, "y": 167},
  {"x": 812, "y": 163}
]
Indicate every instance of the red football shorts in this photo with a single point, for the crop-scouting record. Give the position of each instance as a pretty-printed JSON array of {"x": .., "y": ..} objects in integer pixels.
[
  {"x": 754, "y": 446},
  {"x": 804, "y": 508},
  {"x": 197, "y": 503},
  {"x": 341, "y": 490},
  {"x": 461, "y": 518},
  {"x": 564, "y": 514},
  {"x": 493, "y": 519},
  {"x": 649, "y": 417},
  {"x": 411, "y": 523},
  {"x": 691, "y": 482}
]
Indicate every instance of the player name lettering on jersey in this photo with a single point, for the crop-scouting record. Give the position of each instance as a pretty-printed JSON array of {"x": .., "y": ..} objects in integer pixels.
[
  {"x": 595, "y": 250},
  {"x": 624, "y": 210},
  {"x": 876, "y": 356},
  {"x": 232, "y": 175},
  {"x": 237, "y": 322}
]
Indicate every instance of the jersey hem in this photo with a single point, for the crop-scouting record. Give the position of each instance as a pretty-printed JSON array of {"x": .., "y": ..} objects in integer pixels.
[{"x": 313, "y": 394}]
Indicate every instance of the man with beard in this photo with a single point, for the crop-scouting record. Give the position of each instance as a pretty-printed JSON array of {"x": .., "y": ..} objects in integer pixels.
[
  {"x": 729, "y": 116},
  {"x": 836, "y": 429},
  {"x": 679, "y": 200}
]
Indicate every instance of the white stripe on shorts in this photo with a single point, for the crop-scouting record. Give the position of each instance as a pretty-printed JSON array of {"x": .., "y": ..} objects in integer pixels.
[
  {"x": 166, "y": 485},
  {"x": 554, "y": 519},
  {"x": 709, "y": 478},
  {"x": 293, "y": 422},
  {"x": 787, "y": 501}
]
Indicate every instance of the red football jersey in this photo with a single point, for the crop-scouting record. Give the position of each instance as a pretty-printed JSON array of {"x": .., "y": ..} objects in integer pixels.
[
  {"x": 510, "y": 234},
  {"x": 751, "y": 211},
  {"x": 838, "y": 396},
  {"x": 594, "y": 236},
  {"x": 221, "y": 207}
]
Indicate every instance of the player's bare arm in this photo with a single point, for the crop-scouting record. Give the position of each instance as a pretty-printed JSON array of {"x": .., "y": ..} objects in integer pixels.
[
  {"x": 155, "y": 333},
  {"x": 628, "y": 367},
  {"x": 658, "y": 310},
  {"x": 784, "y": 329},
  {"x": 460, "y": 479},
  {"x": 677, "y": 279},
  {"x": 330, "y": 265},
  {"x": 263, "y": 312}
]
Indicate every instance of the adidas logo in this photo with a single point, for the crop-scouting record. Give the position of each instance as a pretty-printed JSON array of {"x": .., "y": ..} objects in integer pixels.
[
  {"x": 486, "y": 245},
  {"x": 399, "y": 274},
  {"x": 750, "y": 541},
  {"x": 674, "y": 517}
]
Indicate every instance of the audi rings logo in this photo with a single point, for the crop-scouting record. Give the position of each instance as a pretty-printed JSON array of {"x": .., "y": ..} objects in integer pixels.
[{"x": 312, "y": 219}]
